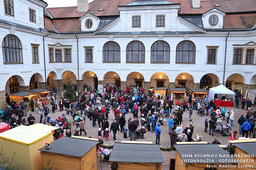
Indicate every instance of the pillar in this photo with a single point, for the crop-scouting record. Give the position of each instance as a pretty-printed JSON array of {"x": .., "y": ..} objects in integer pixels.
[
  {"x": 123, "y": 85},
  {"x": 196, "y": 85},
  {"x": 100, "y": 83},
  {"x": 42, "y": 85},
  {"x": 80, "y": 85},
  {"x": 171, "y": 85},
  {"x": 59, "y": 85},
  {"x": 2, "y": 99},
  {"x": 146, "y": 87}
]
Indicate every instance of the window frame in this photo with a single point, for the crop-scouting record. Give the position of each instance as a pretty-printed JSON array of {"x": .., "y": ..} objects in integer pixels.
[
  {"x": 164, "y": 51},
  {"x": 32, "y": 48},
  {"x": 157, "y": 26},
  {"x": 216, "y": 52},
  {"x": 182, "y": 52},
  {"x": 55, "y": 56},
  {"x": 136, "y": 21},
  {"x": 242, "y": 55},
  {"x": 64, "y": 50},
  {"x": 213, "y": 25},
  {"x": 87, "y": 20},
  {"x": 32, "y": 16},
  {"x": 139, "y": 51},
  {"x": 85, "y": 54},
  {"x": 115, "y": 51},
  {"x": 10, "y": 49},
  {"x": 5, "y": 7},
  {"x": 253, "y": 58}
]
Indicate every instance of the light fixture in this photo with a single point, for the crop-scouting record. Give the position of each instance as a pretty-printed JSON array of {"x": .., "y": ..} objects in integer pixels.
[
  {"x": 92, "y": 75},
  {"x": 182, "y": 77},
  {"x": 160, "y": 77},
  {"x": 115, "y": 74}
]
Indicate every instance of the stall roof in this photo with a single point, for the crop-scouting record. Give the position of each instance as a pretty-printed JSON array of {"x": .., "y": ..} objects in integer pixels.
[
  {"x": 136, "y": 153},
  {"x": 204, "y": 153},
  {"x": 178, "y": 89},
  {"x": 21, "y": 94},
  {"x": 199, "y": 90},
  {"x": 248, "y": 147},
  {"x": 38, "y": 90},
  {"x": 70, "y": 146},
  {"x": 42, "y": 127},
  {"x": 25, "y": 135},
  {"x": 160, "y": 88}
]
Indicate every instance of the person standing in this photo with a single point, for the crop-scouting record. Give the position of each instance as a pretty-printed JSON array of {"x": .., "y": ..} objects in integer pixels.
[
  {"x": 211, "y": 127},
  {"x": 243, "y": 103},
  {"x": 32, "y": 106},
  {"x": 179, "y": 115},
  {"x": 190, "y": 113},
  {"x": 232, "y": 117},
  {"x": 114, "y": 127},
  {"x": 241, "y": 121},
  {"x": 233, "y": 135},
  {"x": 246, "y": 128},
  {"x": 133, "y": 128},
  {"x": 81, "y": 125},
  {"x": 61, "y": 105},
  {"x": 158, "y": 133},
  {"x": 173, "y": 136},
  {"x": 249, "y": 103},
  {"x": 170, "y": 122}
]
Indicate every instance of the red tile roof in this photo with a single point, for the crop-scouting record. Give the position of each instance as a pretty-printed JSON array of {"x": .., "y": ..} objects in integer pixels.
[
  {"x": 65, "y": 12},
  {"x": 48, "y": 24},
  {"x": 67, "y": 25},
  {"x": 241, "y": 21}
]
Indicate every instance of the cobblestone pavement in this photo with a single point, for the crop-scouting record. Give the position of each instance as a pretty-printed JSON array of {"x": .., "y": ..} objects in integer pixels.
[{"x": 198, "y": 123}]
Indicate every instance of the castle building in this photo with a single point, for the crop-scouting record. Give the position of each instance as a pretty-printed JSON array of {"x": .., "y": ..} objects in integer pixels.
[{"x": 151, "y": 43}]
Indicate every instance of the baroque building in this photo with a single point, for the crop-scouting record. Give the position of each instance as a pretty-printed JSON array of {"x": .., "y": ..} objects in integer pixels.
[{"x": 151, "y": 43}]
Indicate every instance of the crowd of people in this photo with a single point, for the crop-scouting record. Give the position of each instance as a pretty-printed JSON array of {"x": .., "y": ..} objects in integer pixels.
[{"x": 134, "y": 113}]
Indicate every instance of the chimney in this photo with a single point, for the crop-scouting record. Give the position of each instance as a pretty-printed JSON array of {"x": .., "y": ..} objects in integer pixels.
[
  {"x": 195, "y": 3},
  {"x": 82, "y": 5}
]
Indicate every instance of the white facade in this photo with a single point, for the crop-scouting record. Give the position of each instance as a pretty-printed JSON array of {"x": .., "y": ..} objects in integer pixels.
[{"x": 176, "y": 29}]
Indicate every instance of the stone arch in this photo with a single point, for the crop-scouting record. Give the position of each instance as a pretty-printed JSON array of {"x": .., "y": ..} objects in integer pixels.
[
  {"x": 159, "y": 79},
  {"x": 209, "y": 80},
  {"x": 50, "y": 79},
  {"x": 184, "y": 80},
  {"x": 253, "y": 80},
  {"x": 14, "y": 84},
  {"x": 112, "y": 78},
  {"x": 91, "y": 79},
  {"x": 36, "y": 81},
  {"x": 235, "y": 81},
  {"x": 135, "y": 78}
]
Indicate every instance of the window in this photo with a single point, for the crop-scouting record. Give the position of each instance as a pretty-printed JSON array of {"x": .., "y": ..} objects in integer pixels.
[
  {"x": 111, "y": 52},
  {"x": 238, "y": 55},
  {"x": 249, "y": 56},
  {"x": 213, "y": 20},
  {"x": 136, "y": 21},
  {"x": 160, "y": 52},
  {"x": 58, "y": 55},
  {"x": 88, "y": 23},
  {"x": 212, "y": 52},
  {"x": 51, "y": 58},
  {"x": 67, "y": 55},
  {"x": 89, "y": 54},
  {"x": 35, "y": 57},
  {"x": 9, "y": 7},
  {"x": 135, "y": 52},
  {"x": 32, "y": 15},
  {"x": 12, "y": 50},
  {"x": 160, "y": 21},
  {"x": 186, "y": 52}
]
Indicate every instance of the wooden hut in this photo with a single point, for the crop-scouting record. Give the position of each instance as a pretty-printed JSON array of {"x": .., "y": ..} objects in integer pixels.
[
  {"x": 20, "y": 96},
  {"x": 22, "y": 144},
  {"x": 136, "y": 156},
  {"x": 199, "y": 156},
  {"x": 40, "y": 94},
  {"x": 70, "y": 153},
  {"x": 178, "y": 94},
  {"x": 199, "y": 93},
  {"x": 245, "y": 153},
  {"x": 159, "y": 91}
]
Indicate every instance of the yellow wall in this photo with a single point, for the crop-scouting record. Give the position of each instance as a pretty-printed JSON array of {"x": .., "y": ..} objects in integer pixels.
[
  {"x": 60, "y": 162},
  {"x": 21, "y": 157},
  {"x": 89, "y": 161},
  {"x": 242, "y": 159},
  {"x": 35, "y": 154},
  {"x": 178, "y": 162}
]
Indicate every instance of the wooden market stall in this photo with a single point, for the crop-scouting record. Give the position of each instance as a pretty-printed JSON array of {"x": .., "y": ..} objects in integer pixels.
[
  {"x": 70, "y": 153},
  {"x": 178, "y": 94},
  {"x": 245, "y": 151},
  {"x": 200, "y": 155},
  {"x": 159, "y": 91},
  {"x": 199, "y": 93},
  {"x": 136, "y": 156},
  {"x": 22, "y": 144},
  {"x": 20, "y": 96},
  {"x": 40, "y": 94}
]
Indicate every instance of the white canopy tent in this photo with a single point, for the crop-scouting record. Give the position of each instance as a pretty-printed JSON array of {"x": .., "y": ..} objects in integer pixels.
[
  {"x": 220, "y": 91},
  {"x": 251, "y": 94}
]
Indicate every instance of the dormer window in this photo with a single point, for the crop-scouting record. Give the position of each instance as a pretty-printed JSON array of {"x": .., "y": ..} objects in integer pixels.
[
  {"x": 88, "y": 23},
  {"x": 213, "y": 20}
]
